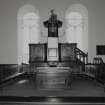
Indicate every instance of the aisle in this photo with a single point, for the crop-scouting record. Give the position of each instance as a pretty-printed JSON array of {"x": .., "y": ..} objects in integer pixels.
[{"x": 28, "y": 88}]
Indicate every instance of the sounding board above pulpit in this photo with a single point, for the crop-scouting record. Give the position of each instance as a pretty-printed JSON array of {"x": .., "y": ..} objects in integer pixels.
[{"x": 53, "y": 24}]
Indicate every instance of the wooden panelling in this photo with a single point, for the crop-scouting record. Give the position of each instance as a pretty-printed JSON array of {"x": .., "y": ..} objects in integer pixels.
[
  {"x": 97, "y": 71},
  {"x": 7, "y": 70},
  {"x": 37, "y": 52}
]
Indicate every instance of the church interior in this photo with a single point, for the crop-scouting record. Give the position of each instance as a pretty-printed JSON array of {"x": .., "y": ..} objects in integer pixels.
[{"x": 52, "y": 51}]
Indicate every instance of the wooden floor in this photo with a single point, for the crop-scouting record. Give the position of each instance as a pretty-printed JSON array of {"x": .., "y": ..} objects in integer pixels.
[{"x": 79, "y": 87}]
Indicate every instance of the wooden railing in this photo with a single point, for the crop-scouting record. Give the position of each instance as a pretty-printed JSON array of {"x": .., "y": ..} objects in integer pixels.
[
  {"x": 98, "y": 60},
  {"x": 97, "y": 71},
  {"x": 81, "y": 56}
]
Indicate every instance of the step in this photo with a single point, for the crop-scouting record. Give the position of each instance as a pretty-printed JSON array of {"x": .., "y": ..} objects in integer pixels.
[{"x": 53, "y": 69}]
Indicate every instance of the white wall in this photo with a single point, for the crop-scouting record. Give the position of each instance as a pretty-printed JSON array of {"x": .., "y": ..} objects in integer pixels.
[{"x": 8, "y": 23}]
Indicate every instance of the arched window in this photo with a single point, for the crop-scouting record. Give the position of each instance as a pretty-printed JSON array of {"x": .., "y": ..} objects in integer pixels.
[
  {"x": 77, "y": 26},
  {"x": 28, "y": 31}
]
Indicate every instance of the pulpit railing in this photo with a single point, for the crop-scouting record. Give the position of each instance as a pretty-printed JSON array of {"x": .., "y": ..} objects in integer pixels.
[{"x": 81, "y": 56}]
